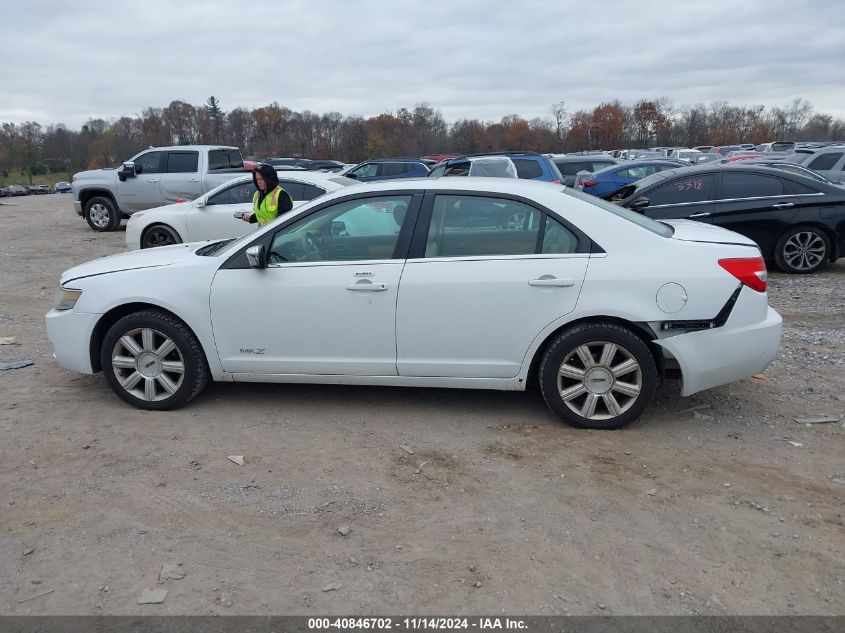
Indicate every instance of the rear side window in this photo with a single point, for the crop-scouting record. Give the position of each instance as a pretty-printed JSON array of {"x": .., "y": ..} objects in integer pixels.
[
  {"x": 598, "y": 165},
  {"x": 294, "y": 189},
  {"x": 742, "y": 185},
  {"x": 224, "y": 159},
  {"x": 182, "y": 162},
  {"x": 800, "y": 188},
  {"x": 570, "y": 168},
  {"x": 394, "y": 169},
  {"x": 825, "y": 161},
  {"x": 149, "y": 163},
  {"x": 309, "y": 192},
  {"x": 527, "y": 168},
  {"x": 683, "y": 191},
  {"x": 637, "y": 172}
]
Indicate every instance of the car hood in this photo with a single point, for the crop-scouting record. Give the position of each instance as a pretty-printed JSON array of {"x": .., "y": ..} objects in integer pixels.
[
  {"x": 131, "y": 260},
  {"x": 92, "y": 174},
  {"x": 691, "y": 231}
]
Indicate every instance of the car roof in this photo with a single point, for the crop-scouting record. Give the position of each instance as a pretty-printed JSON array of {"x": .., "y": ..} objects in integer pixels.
[{"x": 578, "y": 159}]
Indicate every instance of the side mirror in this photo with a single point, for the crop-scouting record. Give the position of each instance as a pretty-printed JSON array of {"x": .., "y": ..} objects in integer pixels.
[
  {"x": 199, "y": 204},
  {"x": 256, "y": 257},
  {"x": 639, "y": 203},
  {"x": 351, "y": 175},
  {"x": 130, "y": 169}
]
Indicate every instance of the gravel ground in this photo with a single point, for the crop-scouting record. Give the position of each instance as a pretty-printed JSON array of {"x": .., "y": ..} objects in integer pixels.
[{"x": 500, "y": 508}]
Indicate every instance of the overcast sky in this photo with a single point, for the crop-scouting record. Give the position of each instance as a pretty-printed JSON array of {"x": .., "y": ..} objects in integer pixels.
[{"x": 71, "y": 61}]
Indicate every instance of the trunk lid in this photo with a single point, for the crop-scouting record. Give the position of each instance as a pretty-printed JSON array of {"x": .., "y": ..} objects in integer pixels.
[{"x": 691, "y": 231}]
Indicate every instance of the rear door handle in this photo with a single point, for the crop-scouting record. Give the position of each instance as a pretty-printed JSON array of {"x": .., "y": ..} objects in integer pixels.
[
  {"x": 366, "y": 286},
  {"x": 193, "y": 179},
  {"x": 783, "y": 205},
  {"x": 552, "y": 281},
  {"x": 152, "y": 179},
  {"x": 699, "y": 215}
]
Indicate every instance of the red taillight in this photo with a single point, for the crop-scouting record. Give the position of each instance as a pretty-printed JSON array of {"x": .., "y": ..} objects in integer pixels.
[
  {"x": 180, "y": 200},
  {"x": 751, "y": 271},
  {"x": 589, "y": 183}
]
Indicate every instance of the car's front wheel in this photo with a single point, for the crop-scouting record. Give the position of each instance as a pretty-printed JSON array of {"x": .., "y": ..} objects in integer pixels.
[
  {"x": 159, "y": 235},
  {"x": 598, "y": 376},
  {"x": 153, "y": 361},
  {"x": 802, "y": 250},
  {"x": 102, "y": 214}
]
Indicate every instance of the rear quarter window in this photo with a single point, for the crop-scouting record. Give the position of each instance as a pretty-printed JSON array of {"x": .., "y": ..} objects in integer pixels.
[{"x": 745, "y": 185}]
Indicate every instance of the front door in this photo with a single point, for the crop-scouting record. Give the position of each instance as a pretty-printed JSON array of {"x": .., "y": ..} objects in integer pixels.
[
  {"x": 215, "y": 219},
  {"x": 493, "y": 274},
  {"x": 143, "y": 190},
  {"x": 326, "y": 304}
]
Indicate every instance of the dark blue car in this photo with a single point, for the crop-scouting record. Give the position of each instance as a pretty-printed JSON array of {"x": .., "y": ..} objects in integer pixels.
[
  {"x": 388, "y": 169},
  {"x": 615, "y": 177}
]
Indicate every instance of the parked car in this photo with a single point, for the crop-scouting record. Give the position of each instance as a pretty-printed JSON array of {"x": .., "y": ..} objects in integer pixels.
[
  {"x": 706, "y": 149},
  {"x": 18, "y": 190},
  {"x": 154, "y": 177},
  {"x": 798, "y": 223},
  {"x": 689, "y": 155},
  {"x": 212, "y": 215},
  {"x": 439, "y": 158},
  {"x": 4, "y": 192},
  {"x": 776, "y": 146},
  {"x": 569, "y": 166},
  {"x": 388, "y": 169},
  {"x": 592, "y": 300},
  {"x": 526, "y": 165},
  {"x": 743, "y": 154},
  {"x": 829, "y": 162},
  {"x": 612, "y": 178},
  {"x": 63, "y": 187}
]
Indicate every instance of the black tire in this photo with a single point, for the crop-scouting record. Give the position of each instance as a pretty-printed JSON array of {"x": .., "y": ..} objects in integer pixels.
[
  {"x": 159, "y": 235},
  {"x": 158, "y": 372},
  {"x": 802, "y": 250},
  {"x": 601, "y": 386},
  {"x": 101, "y": 214}
]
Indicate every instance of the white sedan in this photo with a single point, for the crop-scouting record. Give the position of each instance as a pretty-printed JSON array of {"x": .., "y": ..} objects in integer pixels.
[
  {"x": 212, "y": 216},
  {"x": 484, "y": 283}
]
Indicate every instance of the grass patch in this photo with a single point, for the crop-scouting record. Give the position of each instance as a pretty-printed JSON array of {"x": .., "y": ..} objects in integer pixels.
[{"x": 20, "y": 178}]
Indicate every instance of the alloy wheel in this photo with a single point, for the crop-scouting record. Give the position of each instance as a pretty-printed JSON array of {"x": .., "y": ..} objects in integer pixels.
[
  {"x": 599, "y": 380},
  {"x": 100, "y": 216},
  {"x": 804, "y": 250},
  {"x": 148, "y": 364}
]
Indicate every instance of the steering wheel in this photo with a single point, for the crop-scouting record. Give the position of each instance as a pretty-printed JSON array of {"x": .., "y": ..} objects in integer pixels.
[{"x": 313, "y": 243}]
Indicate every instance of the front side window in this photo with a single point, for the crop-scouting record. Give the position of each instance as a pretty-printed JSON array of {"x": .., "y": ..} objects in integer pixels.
[
  {"x": 366, "y": 171},
  {"x": 825, "y": 161},
  {"x": 745, "y": 185},
  {"x": 353, "y": 230},
  {"x": 394, "y": 169},
  {"x": 236, "y": 194},
  {"x": 683, "y": 191},
  {"x": 182, "y": 162},
  {"x": 466, "y": 226},
  {"x": 149, "y": 163}
]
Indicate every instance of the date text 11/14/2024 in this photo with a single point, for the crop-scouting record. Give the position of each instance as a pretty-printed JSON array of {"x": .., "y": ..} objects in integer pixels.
[{"x": 416, "y": 624}]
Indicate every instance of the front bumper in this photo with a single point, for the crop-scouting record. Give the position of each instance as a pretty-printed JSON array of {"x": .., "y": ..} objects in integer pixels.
[
  {"x": 744, "y": 346},
  {"x": 70, "y": 334},
  {"x": 77, "y": 206},
  {"x": 133, "y": 235}
]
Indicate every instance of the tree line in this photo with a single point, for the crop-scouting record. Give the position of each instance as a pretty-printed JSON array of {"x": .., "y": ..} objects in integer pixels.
[{"x": 275, "y": 130}]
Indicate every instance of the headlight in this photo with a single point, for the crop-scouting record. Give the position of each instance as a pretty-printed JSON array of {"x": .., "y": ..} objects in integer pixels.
[{"x": 66, "y": 298}]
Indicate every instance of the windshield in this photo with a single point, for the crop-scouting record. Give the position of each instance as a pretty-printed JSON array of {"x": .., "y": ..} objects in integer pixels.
[{"x": 663, "y": 230}]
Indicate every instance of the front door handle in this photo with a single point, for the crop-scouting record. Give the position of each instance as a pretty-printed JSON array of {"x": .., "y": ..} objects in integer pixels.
[
  {"x": 783, "y": 205},
  {"x": 552, "y": 281},
  {"x": 152, "y": 179},
  {"x": 366, "y": 286},
  {"x": 193, "y": 179},
  {"x": 699, "y": 215}
]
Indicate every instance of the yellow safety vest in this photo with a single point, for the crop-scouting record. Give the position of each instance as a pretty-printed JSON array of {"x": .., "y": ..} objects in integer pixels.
[{"x": 269, "y": 207}]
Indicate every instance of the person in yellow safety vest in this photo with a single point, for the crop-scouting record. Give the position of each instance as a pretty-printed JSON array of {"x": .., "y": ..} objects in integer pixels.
[{"x": 270, "y": 200}]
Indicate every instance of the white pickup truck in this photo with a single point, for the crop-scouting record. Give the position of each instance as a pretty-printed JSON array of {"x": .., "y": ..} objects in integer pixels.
[{"x": 155, "y": 177}]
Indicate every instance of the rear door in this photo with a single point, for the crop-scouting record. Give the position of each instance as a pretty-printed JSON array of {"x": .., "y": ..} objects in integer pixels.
[
  {"x": 689, "y": 197},
  {"x": 759, "y": 206},
  {"x": 181, "y": 178},
  {"x": 829, "y": 164},
  {"x": 487, "y": 273}
]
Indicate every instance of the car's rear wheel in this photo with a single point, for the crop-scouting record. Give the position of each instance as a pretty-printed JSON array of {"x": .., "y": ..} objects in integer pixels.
[
  {"x": 102, "y": 214},
  {"x": 159, "y": 235},
  {"x": 802, "y": 250},
  {"x": 153, "y": 361},
  {"x": 598, "y": 376}
]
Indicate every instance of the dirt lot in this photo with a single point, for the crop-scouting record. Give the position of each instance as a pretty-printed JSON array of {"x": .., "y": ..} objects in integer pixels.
[{"x": 500, "y": 508}]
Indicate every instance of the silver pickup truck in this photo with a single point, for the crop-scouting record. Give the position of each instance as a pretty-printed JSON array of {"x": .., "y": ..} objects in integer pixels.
[{"x": 153, "y": 178}]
